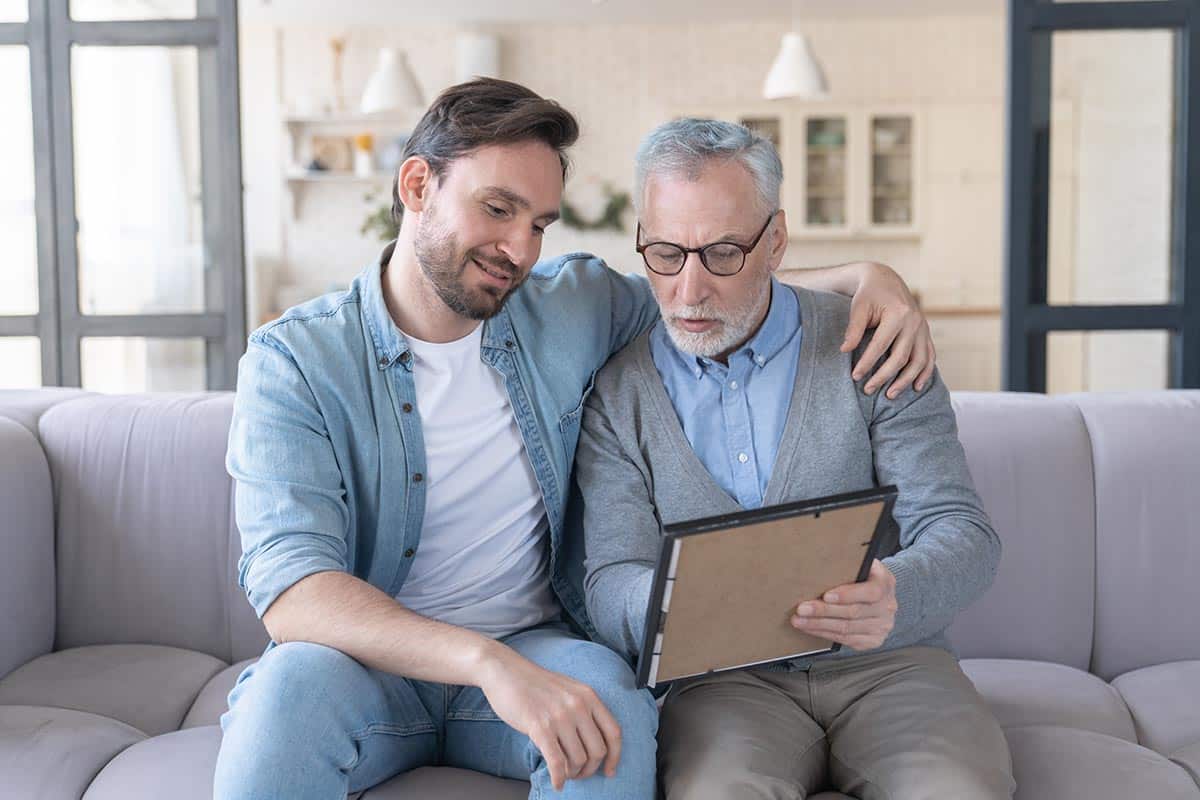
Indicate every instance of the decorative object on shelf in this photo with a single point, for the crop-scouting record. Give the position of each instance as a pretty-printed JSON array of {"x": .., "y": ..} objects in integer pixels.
[
  {"x": 338, "y": 44},
  {"x": 795, "y": 71},
  {"x": 335, "y": 153},
  {"x": 476, "y": 55},
  {"x": 380, "y": 221},
  {"x": 364, "y": 158},
  {"x": 615, "y": 204},
  {"x": 391, "y": 85}
]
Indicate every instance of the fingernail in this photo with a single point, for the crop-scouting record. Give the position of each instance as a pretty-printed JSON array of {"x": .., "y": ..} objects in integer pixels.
[
  {"x": 870, "y": 389},
  {"x": 804, "y": 609},
  {"x": 831, "y": 598},
  {"x": 920, "y": 385}
]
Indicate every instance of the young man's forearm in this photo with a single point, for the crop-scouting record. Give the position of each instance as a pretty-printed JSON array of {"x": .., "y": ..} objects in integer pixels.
[
  {"x": 843, "y": 279},
  {"x": 341, "y": 611}
]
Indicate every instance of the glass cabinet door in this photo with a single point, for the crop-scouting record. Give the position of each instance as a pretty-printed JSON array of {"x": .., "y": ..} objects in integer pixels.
[
  {"x": 825, "y": 172},
  {"x": 891, "y": 144}
]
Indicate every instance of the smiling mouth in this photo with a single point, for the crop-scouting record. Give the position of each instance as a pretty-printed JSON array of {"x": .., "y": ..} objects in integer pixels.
[{"x": 493, "y": 272}]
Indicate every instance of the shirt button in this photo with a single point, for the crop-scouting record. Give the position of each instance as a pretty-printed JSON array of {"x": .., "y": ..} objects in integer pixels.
[
  {"x": 408, "y": 553},
  {"x": 760, "y": 360},
  {"x": 404, "y": 357},
  {"x": 508, "y": 342},
  {"x": 383, "y": 362},
  {"x": 742, "y": 457},
  {"x": 733, "y": 384},
  {"x": 407, "y": 408},
  {"x": 418, "y": 477}
]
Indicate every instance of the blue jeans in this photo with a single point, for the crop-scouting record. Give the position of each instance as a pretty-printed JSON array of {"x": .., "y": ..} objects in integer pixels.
[{"x": 307, "y": 721}]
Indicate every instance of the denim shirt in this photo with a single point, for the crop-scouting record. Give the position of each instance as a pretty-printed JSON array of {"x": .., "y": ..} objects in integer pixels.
[{"x": 325, "y": 444}]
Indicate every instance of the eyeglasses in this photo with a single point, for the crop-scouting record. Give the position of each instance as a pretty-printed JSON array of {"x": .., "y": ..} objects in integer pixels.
[{"x": 719, "y": 258}]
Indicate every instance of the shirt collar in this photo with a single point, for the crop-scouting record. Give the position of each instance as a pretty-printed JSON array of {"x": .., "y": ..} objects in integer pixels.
[
  {"x": 780, "y": 325},
  {"x": 391, "y": 346}
]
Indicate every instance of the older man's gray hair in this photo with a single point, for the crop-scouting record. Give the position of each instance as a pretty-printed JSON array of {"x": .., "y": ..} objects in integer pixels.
[{"x": 686, "y": 146}]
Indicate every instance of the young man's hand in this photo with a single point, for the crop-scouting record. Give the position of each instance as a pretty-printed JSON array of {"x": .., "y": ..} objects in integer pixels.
[
  {"x": 563, "y": 717},
  {"x": 883, "y": 301},
  {"x": 858, "y": 615}
]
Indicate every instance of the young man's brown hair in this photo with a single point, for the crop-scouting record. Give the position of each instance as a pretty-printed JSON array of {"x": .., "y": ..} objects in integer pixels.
[{"x": 482, "y": 112}]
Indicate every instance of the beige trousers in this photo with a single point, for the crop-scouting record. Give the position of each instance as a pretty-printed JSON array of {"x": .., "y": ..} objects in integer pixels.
[{"x": 901, "y": 725}]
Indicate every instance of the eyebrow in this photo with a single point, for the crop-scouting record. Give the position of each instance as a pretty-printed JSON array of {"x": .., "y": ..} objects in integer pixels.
[{"x": 518, "y": 201}]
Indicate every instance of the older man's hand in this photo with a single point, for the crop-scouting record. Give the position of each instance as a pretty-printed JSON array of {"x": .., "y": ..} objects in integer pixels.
[
  {"x": 858, "y": 615},
  {"x": 883, "y": 301}
]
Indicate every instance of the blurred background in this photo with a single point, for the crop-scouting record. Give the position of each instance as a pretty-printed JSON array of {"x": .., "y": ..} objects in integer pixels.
[{"x": 174, "y": 173}]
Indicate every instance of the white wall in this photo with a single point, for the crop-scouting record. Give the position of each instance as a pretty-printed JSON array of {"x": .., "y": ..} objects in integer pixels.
[{"x": 621, "y": 79}]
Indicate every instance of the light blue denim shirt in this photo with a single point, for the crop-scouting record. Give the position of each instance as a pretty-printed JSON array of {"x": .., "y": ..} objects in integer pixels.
[
  {"x": 326, "y": 446},
  {"x": 733, "y": 415}
]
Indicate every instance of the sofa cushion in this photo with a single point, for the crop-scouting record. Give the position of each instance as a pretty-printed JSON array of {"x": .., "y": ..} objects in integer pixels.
[
  {"x": 1032, "y": 465},
  {"x": 1165, "y": 703},
  {"x": 55, "y": 752},
  {"x": 1147, "y": 550},
  {"x": 26, "y": 406},
  {"x": 1189, "y": 759},
  {"x": 148, "y": 687},
  {"x": 213, "y": 700},
  {"x": 27, "y": 545},
  {"x": 147, "y": 547},
  {"x": 1070, "y": 764},
  {"x": 178, "y": 765},
  {"x": 447, "y": 783},
  {"x": 1022, "y": 693}
]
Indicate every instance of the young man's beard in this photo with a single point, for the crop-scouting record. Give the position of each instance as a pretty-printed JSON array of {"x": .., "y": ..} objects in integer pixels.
[{"x": 444, "y": 265}]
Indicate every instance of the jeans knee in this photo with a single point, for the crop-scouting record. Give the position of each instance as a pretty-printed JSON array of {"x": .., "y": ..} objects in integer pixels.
[{"x": 289, "y": 686}]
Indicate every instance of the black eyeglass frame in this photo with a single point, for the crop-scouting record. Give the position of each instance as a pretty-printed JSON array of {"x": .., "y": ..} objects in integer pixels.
[{"x": 746, "y": 249}]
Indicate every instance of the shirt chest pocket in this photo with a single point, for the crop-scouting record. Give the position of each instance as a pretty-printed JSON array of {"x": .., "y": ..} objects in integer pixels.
[{"x": 568, "y": 423}]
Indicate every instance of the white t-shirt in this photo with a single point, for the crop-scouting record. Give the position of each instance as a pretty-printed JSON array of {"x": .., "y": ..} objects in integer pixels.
[{"x": 483, "y": 562}]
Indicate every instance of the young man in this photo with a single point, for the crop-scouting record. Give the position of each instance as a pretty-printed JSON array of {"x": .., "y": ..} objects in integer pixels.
[
  {"x": 403, "y": 453},
  {"x": 739, "y": 397}
]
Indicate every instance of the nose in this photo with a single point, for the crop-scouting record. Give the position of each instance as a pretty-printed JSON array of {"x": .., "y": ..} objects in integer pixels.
[
  {"x": 521, "y": 246},
  {"x": 692, "y": 285}
]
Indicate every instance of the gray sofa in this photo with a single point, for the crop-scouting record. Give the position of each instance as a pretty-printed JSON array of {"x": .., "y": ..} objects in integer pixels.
[{"x": 122, "y": 628}]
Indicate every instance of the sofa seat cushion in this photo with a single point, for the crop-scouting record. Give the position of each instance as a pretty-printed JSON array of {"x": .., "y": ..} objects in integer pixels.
[
  {"x": 1040, "y": 693},
  {"x": 1165, "y": 703},
  {"x": 55, "y": 752},
  {"x": 447, "y": 783},
  {"x": 213, "y": 700},
  {"x": 178, "y": 765},
  {"x": 150, "y": 687},
  {"x": 1189, "y": 759},
  {"x": 1072, "y": 764}
]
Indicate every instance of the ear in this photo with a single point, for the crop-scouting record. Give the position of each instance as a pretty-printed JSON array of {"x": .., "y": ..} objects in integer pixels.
[
  {"x": 415, "y": 179},
  {"x": 778, "y": 240}
]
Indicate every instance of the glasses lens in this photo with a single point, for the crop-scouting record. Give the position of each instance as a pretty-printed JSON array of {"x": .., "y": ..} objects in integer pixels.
[
  {"x": 665, "y": 258},
  {"x": 723, "y": 259}
]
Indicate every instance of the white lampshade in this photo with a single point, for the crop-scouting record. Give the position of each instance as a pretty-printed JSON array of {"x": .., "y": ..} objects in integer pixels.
[
  {"x": 392, "y": 85},
  {"x": 795, "y": 72},
  {"x": 477, "y": 55}
]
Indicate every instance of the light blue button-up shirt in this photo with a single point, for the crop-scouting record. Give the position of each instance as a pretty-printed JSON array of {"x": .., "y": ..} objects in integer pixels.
[
  {"x": 326, "y": 443},
  {"x": 734, "y": 414}
]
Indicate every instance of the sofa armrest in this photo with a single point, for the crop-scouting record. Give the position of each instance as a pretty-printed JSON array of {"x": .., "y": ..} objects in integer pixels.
[{"x": 27, "y": 588}]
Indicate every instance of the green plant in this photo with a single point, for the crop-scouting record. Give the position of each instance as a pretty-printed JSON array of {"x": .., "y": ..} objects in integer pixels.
[
  {"x": 380, "y": 221},
  {"x": 614, "y": 206}
]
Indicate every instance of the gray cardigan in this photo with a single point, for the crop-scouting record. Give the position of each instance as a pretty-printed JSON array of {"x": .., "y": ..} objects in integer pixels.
[{"x": 637, "y": 472}]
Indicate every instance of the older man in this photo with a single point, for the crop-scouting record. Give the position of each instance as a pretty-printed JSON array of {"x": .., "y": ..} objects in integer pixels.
[{"x": 738, "y": 397}]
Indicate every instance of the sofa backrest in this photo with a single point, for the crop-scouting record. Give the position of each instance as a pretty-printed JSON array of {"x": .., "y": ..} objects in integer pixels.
[
  {"x": 1146, "y": 452},
  {"x": 146, "y": 545},
  {"x": 1031, "y": 461}
]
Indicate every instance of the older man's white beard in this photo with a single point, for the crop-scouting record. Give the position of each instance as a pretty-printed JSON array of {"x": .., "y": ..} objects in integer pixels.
[{"x": 734, "y": 325}]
